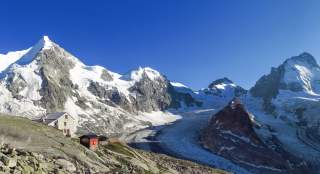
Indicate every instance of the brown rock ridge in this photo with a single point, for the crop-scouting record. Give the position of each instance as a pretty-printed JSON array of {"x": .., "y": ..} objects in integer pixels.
[{"x": 231, "y": 134}]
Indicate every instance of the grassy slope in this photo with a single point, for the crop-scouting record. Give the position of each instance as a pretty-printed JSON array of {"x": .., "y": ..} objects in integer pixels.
[{"x": 116, "y": 157}]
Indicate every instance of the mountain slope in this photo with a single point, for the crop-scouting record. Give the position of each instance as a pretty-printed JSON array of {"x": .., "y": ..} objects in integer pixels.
[
  {"x": 231, "y": 134},
  {"x": 283, "y": 107},
  {"x": 46, "y": 78},
  {"x": 29, "y": 147},
  {"x": 298, "y": 75},
  {"x": 286, "y": 105}
]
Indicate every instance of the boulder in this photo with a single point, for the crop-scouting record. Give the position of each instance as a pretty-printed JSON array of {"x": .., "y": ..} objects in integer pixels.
[
  {"x": 66, "y": 165},
  {"x": 7, "y": 161}
]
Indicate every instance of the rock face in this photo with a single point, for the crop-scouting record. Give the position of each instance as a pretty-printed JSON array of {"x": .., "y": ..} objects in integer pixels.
[
  {"x": 54, "y": 68},
  {"x": 110, "y": 97},
  {"x": 151, "y": 95},
  {"x": 231, "y": 134},
  {"x": 46, "y": 78}
]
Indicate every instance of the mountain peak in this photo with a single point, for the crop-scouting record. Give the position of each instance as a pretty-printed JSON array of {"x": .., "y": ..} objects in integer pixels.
[
  {"x": 43, "y": 43},
  {"x": 296, "y": 74},
  {"x": 302, "y": 59},
  {"x": 220, "y": 81},
  {"x": 137, "y": 74},
  {"x": 24, "y": 56}
]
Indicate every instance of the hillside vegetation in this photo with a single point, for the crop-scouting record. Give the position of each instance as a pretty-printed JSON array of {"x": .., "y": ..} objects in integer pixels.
[{"x": 30, "y": 147}]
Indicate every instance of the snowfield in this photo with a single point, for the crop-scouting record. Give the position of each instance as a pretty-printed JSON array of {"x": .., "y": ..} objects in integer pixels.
[{"x": 291, "y": 136}]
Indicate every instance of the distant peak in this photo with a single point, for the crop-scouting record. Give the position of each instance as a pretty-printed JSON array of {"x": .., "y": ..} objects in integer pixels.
[
  {"x": 305, "y": 54},
  {"x": 224, "y": 80},
  {"x": 44, "y": 43},
  {"x": 137, "y": 74},
  {"x": 148, "y": 69},
  {"x": 178, "y": 84},
  {"x": 303, "y": 58},
  {"x": 46, "y": 39}
]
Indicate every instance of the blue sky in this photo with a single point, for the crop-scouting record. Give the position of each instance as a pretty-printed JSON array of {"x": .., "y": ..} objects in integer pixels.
[{"x": 193, "y": 42}]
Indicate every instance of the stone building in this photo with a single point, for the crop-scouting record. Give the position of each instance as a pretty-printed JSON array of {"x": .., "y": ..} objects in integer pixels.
[{"x": 62, "y": 121}]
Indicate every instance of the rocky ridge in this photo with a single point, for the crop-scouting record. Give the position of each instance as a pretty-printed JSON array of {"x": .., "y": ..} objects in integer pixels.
[{"x": 231, "y": 134}]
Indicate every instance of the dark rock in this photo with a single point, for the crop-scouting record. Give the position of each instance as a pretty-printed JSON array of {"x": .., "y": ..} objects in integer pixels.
[
  {"x": 53, "y": 81},
  {"x": 231, "y": 134},
  {"x": 267, "y": 87},
  {"x": 106, "y": 76},
  {"x": 15, "y": 84},
  {"x": 111, "y": 97},
  {"x": 178, "y": 97},
  {"x": 220, "y": 81},
  {"x": 151, "y": 95}
]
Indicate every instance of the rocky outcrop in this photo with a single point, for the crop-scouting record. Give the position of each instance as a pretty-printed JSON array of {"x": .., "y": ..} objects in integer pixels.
[
  {"x": 106, "y": 75},
  {"x": 15, "y": 84},
  {"x": 182, "y": 97},
  {"x": 21, "y": 161},
  {"x": 126, "y": 161},
  {"x": 148, "y": 95},
  {"x": 111, "y": 97},
  {"x": 267, "y": 87},
  {"x": 151, "y": 95},
  {"x": 231, "y": 134},
  {"x": 56, "y": 85}
]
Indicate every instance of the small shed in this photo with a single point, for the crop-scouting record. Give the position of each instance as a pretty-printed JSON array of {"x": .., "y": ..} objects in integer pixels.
[{"x": 92, "y": 141}]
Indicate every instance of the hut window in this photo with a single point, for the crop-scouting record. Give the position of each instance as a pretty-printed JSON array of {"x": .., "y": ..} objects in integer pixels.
[
  {"x": 66, "y": 116},
  {"x": 65, "y": 123}
]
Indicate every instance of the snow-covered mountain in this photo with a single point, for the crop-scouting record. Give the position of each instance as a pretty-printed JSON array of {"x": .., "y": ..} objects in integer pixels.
[
  {"x": 287, "y": 103},
  {"x": 284, "y": 105},
  {"x": 46, "y": 78},
  {"x": 218, "y": 94}
]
